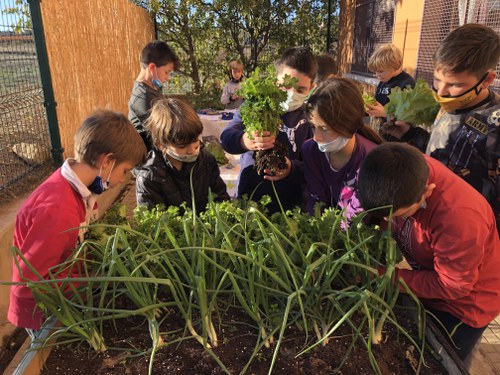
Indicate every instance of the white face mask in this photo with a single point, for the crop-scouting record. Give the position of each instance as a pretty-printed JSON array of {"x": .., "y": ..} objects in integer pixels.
[
  {"x": 184, "y": 158},
  {"x": 293, "y": 101},
  {"x": 334, "y": 146}
]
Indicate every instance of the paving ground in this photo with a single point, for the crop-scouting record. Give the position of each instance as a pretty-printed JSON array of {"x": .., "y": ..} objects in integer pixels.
[{"x": 489, "y": 350}]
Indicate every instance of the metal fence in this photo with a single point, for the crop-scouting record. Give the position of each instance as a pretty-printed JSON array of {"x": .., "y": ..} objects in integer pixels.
[
  {"x": 442, "y": 16},
  {"x": 373, "y": 25},
  {"x": 24, "y": 135}
]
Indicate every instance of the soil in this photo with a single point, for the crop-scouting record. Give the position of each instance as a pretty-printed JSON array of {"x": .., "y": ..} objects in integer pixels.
[
  {"x": 273, "y": 159},
  {"x": 236, "y": 342},
  {"x": 10, "y": 346}
]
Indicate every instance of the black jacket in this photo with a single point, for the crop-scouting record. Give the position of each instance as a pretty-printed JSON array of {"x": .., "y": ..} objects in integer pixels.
[{"x": 159, "y": 182}]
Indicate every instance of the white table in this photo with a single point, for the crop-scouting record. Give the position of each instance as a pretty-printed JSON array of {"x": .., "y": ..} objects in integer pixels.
[{"x": 214, "y": 125}]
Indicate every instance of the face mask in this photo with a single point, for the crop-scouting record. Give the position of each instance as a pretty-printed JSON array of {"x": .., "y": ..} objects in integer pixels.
[
  {"x": 452, "y": 103},
  {"x": 334, "y": 146},
  {"x": 293, "y": 101},
  {"x": 156, "y": 82},
  {"x": 183, "y": 158},
  {"x": 97, "y": 187}
]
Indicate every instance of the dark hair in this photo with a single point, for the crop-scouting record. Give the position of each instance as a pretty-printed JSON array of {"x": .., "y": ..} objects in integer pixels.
[
  {"x": 340, "y": 105},
  {"x": 301, "y": 59},
  {"x": 158, "y": 53},
  {"x": 393, "y": 174},
  {"x": 472, "y": 48},
  {"x": 326, "y": 67},
  {"x": 108, "y": 132},
  {"x": 173, "y": 122}
]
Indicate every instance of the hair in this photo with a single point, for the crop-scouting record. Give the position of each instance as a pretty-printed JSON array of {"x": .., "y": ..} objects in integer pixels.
[
  {"x": 158, "y": 53},
  {"x": 301, "y": 59},
  {"x": 173, "y": 122},
  {"x": 108, "y": 132},
  {"x": 326, "y": 67},
  {"x": 472, "y": 48},
  {"x": 235, "y": 64},
  {"x": 386, "y": 56},
  {"x": 392, "y": 174},
  {"x": 339, "y": 103}
]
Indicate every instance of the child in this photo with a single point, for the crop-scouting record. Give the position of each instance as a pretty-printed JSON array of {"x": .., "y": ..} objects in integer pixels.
[
  {"x": 178, "y": 165},
  {"x": 229, "y": 96},
  {"x": 446, "y": 231},
  {"x": 464, "y": 136},
  {"x": 341, "y": 142},
  {"x": 327, "y": 68},
  {"x": 299, "y": 63},
  {"x": 387, "y": 64},
  {"x": 106, "y": 147},
  {"x": 157, "y": 62}
]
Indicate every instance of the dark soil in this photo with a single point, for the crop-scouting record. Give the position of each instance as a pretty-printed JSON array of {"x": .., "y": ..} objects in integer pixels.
[
  {"x": 236, "y": 342},
  {"x": 273, "y": 159},
  {"x": 10, "y": 346}
]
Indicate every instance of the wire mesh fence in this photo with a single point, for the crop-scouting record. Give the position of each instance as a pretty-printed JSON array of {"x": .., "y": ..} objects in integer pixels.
[
  {"x": 24, "y": 135},
  {"x": 442, "y": 16}
]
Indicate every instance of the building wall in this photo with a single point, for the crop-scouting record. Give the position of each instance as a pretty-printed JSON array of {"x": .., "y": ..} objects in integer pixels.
[{"x": 407, "y": 27}]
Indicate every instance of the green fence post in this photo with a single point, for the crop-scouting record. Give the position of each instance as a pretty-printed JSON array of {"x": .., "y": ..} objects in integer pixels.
[{"x": 48, "y": 92}]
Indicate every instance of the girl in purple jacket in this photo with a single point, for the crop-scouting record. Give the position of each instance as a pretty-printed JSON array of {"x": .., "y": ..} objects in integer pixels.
[{"x": 341, "y": 141}]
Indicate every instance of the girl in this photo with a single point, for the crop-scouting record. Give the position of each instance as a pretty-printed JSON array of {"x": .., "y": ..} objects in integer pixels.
[{"x": 340, "y": 143}]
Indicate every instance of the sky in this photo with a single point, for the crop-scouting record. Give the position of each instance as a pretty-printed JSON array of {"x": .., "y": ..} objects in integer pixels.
[{"x": 7, "y": 20}]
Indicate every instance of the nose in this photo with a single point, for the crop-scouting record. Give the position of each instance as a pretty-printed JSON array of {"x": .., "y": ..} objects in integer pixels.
[
  {"x": 191, "y": 149},
  {"x": 442, "y": 89}
]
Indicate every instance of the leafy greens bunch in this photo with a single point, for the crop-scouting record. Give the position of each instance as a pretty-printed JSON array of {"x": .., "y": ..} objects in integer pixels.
[
  {"x": 413, "y": 105},
  {"x": 263, "y": 96}
]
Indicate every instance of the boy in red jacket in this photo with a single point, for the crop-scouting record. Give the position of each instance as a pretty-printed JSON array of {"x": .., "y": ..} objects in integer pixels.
[
  {"x": 447, "y": 233},
  {"x": 107, "y": 147}
]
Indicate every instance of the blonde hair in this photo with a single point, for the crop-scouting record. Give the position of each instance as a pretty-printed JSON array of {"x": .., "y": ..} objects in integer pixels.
[
  {"x": 386, "y": 56},
  {"x": 108, "y": 132},
  {"x": 173, "y": 122}
]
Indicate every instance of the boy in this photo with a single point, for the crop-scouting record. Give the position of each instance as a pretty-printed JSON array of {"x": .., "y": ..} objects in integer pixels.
[
  {"x": 229, "y": 96},
  {"x": 387, "y": 64},
  {"x": 464, "y": 136},
  {"x": 157, "y": 62},
  {"x": 446, "y": 231},
  {"x": 106, "y": 147},
  {"x": 177, "y": 158},
  {"x": 299, "y": 63}
]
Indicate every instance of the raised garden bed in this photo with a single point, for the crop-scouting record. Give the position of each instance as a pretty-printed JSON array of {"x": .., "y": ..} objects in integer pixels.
[{"x": 234, "y": 291}]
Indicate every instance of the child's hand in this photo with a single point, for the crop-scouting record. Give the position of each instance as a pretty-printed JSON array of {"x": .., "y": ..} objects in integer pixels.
[
  {"x": 398, "y": 130},
  {"x": 262, "y": 141},
  {"x": 234, "y": 97},
  {"x": 279, "y": 174},
  {"x": 376, "y": 110}
]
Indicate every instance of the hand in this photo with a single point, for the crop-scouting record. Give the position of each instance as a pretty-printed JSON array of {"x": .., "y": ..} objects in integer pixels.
[
  {"x": 279, "y": 174},
  {"x": 398, "y": 130},
  {"x": 376, "y": 110},
  {"x": 259, "y": 142},
  {"x": 234, "y": 97}
]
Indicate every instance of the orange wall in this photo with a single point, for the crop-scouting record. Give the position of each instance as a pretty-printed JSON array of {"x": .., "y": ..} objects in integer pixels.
[{"x": 406, "y": 36}]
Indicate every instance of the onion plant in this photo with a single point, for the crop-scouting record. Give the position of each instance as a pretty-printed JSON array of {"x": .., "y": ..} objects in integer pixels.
[{"x": 287, "y": 269}]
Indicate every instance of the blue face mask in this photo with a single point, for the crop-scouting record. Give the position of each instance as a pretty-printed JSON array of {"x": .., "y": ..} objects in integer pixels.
[
  {"x": 97, "y": 186},
  {"x": 156, "y": 82}
]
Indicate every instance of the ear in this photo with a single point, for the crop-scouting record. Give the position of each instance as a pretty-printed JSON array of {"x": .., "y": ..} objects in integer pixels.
[
  {"x": 428, "y": 190},
  {"x": 107, "y": 160},
  {"x": 489, "y": 79}
]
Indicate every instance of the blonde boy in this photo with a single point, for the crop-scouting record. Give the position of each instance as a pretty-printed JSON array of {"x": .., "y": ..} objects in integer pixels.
[
  {"x": 229, "y": 96},
  {"x": 387, "y": 62}
]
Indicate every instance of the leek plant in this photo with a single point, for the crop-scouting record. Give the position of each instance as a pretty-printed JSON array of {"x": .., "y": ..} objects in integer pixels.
[{"x": 288, "y": 269}]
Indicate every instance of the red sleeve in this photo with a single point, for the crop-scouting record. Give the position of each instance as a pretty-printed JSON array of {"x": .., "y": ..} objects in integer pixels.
[
  {"x": 48, "y": 238},
  {"x": 458, "y": 248}
]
